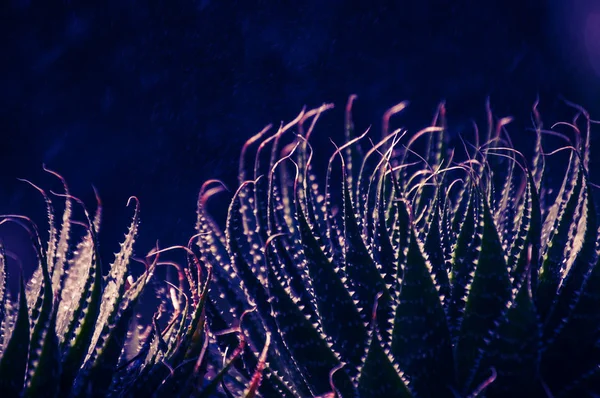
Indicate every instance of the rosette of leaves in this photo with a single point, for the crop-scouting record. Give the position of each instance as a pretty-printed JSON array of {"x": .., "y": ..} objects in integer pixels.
[
  {"x": 410, "y": 271},
  {"x": 72, "y": 331}
]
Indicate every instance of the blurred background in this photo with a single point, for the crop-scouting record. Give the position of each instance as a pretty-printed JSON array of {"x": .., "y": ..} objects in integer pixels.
[{"x": 153, "y": 98}]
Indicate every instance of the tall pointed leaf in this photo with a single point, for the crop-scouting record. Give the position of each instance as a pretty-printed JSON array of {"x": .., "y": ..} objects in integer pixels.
[
  {"x": 487, "y": 299},
  {"x": 421, "y": 342},
  {"x": 13, "y": 363}
]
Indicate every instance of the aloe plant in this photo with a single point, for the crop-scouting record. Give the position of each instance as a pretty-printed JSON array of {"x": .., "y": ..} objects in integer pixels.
[
  {"x": 413, "y": 269},
  {"x": 72, "y": 331}
]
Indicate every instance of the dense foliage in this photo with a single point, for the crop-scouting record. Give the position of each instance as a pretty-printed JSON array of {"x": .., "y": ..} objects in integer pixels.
[{"x": 414, "y": 269}]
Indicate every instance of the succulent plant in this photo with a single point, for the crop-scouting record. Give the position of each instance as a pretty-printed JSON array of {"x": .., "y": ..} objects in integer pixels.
[
  {"x": 73, "y": 332},
  {"x": 410, "y": 271}
]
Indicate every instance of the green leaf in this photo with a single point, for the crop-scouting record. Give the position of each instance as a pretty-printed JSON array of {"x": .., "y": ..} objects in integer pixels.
[
  {"x": 101, "y": 364},
  {"x": 35, "y": 286},
  {"x": 464, "y": 258},
  {"x": 364, "y": 278},
  {"x": 525, "y": 250},
  {"x": 252, "y": 278},
  {"x": 433, "y": 247},
  {"x": 226, "y": 286},
  {"x": 488, "y": 295},
  {"x": 338, "y": 314},
  {"x": 288, "y": 247},
  {"x": 556, "y": 250},
  {"x": 13, "y": 363},
  {"x": 379, "y": 376},
  {"x": 44, "y": 362},
  {"x": 89, "y": 306},
  {"x": 47, "y": 365},
  {"x": 421, "y": 342},
  {"x": 57, "y": 263},
  {"x": 114, "y": 288},
  {"x": 76, "y": 283},
  {"x": 308, "y": 346},
  {"x": 573, "y": 279},
  {"x": 575, "y": 320},
  {"x": 514, "y": 351}
]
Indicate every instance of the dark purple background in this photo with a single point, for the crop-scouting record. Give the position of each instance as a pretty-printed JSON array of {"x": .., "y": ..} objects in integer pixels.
[{"x": 154, "y": 100}]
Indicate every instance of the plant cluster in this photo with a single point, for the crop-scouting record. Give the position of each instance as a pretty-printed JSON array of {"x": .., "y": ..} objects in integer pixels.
[{"x": 414, "y": 270}]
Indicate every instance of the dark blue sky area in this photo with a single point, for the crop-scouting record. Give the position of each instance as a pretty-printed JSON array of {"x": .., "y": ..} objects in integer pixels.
[{"x": 154, "y": 100}]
